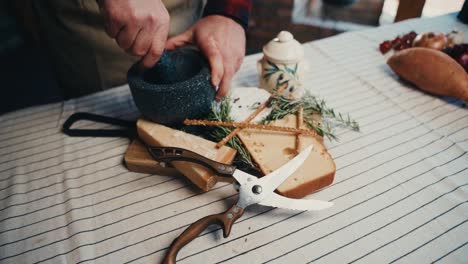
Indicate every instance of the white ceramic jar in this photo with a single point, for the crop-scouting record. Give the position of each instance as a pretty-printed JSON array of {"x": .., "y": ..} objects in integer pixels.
[{"x": 282, "y": 62}]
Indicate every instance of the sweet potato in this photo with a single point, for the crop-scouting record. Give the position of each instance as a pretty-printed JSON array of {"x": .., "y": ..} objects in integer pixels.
[{"x": 432, "y": 71}]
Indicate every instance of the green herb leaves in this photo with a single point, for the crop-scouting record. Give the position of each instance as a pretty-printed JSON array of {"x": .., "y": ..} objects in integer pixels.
[{"x": 313, "y": 108}]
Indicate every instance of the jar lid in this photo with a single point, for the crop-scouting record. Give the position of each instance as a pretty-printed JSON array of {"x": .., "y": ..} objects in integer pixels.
[{"x": 283, "y": 49}]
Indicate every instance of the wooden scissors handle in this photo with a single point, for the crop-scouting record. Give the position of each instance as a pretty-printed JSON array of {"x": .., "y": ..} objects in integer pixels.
[
  {"x": 225, "y": 220},
  {"x": 169, "y": 154}
]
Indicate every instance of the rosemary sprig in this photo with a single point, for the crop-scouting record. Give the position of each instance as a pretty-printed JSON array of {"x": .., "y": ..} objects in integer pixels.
[
  {"x": 221, "y": 112},
  {"x": 313, "y": 107}
]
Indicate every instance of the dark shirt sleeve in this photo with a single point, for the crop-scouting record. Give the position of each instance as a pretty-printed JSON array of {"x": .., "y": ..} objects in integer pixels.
[{"x": 238, "y": 10}]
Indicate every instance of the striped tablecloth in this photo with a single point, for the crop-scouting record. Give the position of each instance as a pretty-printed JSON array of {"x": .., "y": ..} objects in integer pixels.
[{"x": 400, "y": 190}]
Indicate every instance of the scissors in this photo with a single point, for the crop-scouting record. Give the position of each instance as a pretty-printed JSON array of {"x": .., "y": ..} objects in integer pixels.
[{"x": 252, "y": 190}]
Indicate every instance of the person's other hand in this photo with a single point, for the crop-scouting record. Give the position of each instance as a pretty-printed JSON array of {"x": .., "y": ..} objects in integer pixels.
[
  {"x": 140, "y": 27},
  {"x": 222, "y": 40}
]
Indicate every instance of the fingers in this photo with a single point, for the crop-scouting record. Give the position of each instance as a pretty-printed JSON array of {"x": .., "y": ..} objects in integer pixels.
[
  {"x": 139, "y": 27},
  {"x": 180, "y": 40},
  {"x": 225, "y": 84},
  {"x": 155, "y": 51},
  {"x": 223, "y": 66},
  {"x": 126, "y": 37},
  {"x": 156, "y": 37},
  {"x": 147, "y": 41},
  {"x": 142, "y": 43},
  {"x": 212, "y": 53},
  {"x": 113, "y": 27},
  {"x": 153, "y": 54},
  {"x": 222, "y": 41}
]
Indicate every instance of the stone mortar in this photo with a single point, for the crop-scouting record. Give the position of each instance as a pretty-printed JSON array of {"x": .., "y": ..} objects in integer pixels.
[{"x": 178, "y": 87}]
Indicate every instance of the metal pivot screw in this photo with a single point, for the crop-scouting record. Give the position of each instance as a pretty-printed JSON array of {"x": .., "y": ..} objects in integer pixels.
[
  {"x": 257, "y": 189},
  {"x": 229, "y": 216}
]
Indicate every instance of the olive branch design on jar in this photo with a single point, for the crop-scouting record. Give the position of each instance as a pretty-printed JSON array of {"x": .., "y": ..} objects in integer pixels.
[{"x": 285, "y": 74}]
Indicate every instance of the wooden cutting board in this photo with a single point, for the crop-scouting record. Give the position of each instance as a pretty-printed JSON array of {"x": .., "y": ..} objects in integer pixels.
[{"x": 138, "y": 159}]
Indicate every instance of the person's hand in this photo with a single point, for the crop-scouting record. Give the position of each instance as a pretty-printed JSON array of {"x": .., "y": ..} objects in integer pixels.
[
  {"x": 140, "y": 27},
  {"x": 222, "y": 40}
]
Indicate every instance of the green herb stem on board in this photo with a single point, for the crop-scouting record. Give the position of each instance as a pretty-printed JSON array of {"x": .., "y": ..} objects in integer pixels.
[
  {"x": 313, "y": 108},
  {"x": 317, "y": 115},
  {"x": 221, "y": 112}
]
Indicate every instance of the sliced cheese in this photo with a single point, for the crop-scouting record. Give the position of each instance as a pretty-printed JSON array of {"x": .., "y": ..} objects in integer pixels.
[
  {"x": 159, "y": 135},
  {"x": 271, "y": 149}
]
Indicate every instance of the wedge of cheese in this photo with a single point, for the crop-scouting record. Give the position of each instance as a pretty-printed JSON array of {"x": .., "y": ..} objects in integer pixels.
[
  {"x": 270, "y": 150},
  {"x": 159, "y": 135}
]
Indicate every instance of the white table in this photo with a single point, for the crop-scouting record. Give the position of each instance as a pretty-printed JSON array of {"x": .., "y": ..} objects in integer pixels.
[{"x": 400, "y": 191}]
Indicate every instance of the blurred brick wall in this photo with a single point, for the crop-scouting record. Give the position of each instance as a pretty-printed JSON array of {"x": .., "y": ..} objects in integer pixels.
[{"x": 271, "y": 16}]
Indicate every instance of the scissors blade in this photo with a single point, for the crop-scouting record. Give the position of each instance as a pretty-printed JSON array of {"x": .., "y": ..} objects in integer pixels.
[
  {"x": 276, "y": 200},
  {"x": 271, "y": 181},
  {"x": 243, "y": 177}
]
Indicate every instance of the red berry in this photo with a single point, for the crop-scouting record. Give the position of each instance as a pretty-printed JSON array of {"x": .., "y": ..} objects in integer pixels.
[
  {"x": 399, "y": 43},
  {"x": 399, "y": 47},
  {"x": 396, "y": 41},
  {"x": 385, "y": 46}
]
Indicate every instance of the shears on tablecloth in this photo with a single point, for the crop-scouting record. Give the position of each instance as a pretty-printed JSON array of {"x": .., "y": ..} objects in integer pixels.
[{"x": 252, "y": 190}]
